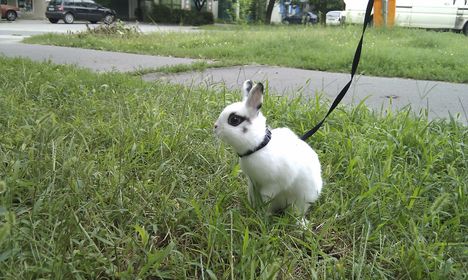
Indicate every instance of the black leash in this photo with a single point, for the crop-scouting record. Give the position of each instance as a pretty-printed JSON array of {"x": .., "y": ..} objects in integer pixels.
[{"x": 357, "y": 57}]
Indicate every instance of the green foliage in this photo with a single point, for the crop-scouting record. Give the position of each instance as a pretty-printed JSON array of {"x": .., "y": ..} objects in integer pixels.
[
  {"x": 244, "y": 10},
  {"x": 398, "y": 52},
  {"x": 164, "y": 14},
  {"x": 105, "y": 176},
  {"x": 257, "y": 10},
  {"x": 226, "y": 10}
]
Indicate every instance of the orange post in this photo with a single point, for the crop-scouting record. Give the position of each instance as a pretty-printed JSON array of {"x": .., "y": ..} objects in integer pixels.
[
  {"x": 378, "y": 16},
  {"x": 391, "y": 13}
]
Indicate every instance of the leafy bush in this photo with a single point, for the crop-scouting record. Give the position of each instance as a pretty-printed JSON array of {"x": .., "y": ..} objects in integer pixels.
[
  {"x": 257, "y": 11},
  {"x": 164, "y": 14}
]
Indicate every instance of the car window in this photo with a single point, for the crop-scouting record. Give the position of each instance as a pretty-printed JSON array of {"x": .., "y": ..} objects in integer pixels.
[
  {"x": 89, "y": 3},
  {"x": 55, "y": 2},
  {"x": 78, "y": 3}
]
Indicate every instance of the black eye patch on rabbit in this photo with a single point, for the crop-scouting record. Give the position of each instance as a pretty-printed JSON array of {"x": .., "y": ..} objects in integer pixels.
[
  {"x": 282, "y": 170},
  {"x": 236, "y": 120}
]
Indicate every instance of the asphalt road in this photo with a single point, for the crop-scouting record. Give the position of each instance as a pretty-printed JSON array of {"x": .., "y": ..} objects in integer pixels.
[{"x": 440, "y": 99}]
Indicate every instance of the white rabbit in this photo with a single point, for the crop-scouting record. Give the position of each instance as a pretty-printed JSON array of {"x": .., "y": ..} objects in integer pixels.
[{"x": 282, "y": 169}]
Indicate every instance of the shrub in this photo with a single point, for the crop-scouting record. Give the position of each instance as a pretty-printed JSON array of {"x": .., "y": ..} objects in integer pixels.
[
  {"x": 164, "y": 14},
  {"x": 161, "y": 14}
]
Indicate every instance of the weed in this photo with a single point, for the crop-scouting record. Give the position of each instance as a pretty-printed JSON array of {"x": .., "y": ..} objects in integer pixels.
[{"x": 117, "y": 28}]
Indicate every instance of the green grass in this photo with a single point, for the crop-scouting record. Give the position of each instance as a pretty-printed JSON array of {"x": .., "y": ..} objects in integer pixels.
[
  {"x": 411, "y": 53},
  {"x": 105, "y": 176}
]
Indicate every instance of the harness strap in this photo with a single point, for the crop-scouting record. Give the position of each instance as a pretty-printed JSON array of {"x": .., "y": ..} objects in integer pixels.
[{"x": 265, "y": 142}]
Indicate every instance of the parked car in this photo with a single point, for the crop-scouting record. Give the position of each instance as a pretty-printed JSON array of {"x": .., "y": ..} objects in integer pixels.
[
  {"x": 9, "y": 12},
  {"x": 335, "y": 18},
  {"x": 442, "y": 15},
  {"x": 299, "y": 18},
  {"x": 71, "y": 10}
]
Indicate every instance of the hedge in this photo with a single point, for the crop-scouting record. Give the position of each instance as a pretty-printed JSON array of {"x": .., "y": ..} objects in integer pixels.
[{"x": 164, "y": 14}]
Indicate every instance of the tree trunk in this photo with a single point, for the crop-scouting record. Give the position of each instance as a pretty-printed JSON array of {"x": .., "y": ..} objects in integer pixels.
[
  {"x": 269, "y": 11},
  {"x": 139, "y": 13}
]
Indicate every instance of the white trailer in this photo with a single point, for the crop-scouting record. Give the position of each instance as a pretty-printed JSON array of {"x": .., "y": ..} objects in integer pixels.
[{"x": 431, "y": 14}]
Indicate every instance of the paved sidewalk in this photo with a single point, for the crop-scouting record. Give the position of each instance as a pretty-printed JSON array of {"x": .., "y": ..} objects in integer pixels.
[
  {"x": 441, "y": 99},
  {"x": 92, "y": 59},
  {"x": 12, "y": 33}
]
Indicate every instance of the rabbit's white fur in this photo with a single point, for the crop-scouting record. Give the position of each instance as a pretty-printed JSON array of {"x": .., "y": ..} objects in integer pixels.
[{"x": 284, "y": 172}]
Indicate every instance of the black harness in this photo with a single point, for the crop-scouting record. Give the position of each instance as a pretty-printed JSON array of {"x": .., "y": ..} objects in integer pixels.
[{"x": 265, "y": 142}]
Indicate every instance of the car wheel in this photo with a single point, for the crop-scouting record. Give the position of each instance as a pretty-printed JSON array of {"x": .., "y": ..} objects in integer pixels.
[
  {"x": 11, "y": 15},
  {"x": 53, "y": 20},
  {"x": 108, "y": 19},
  {"x": 465, "y": 29},
  {"x": 69, "y": 18}
]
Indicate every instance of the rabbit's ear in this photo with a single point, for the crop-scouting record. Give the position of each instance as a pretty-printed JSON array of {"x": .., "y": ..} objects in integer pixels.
[
  {"x": 255, "y": 99},
  {"x": 246, "y": 89}
]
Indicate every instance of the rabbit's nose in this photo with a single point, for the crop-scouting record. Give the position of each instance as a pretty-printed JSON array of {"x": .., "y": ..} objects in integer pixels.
[{"x": 215, "y": 125}]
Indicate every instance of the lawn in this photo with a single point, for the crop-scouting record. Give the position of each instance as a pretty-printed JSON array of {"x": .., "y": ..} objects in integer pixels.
[
  {"x": 410, "y": 53},
  {"x": 106, "y": 176}
]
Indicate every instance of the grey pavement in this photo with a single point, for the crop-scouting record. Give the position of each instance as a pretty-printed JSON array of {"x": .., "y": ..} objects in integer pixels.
[
  {"x": 92, "y": 59},
  {"x": 440, "y": 99},
  {"x": 11, "y": 33}
]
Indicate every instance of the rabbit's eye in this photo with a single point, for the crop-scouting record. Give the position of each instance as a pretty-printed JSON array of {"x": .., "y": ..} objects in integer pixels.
[{"x": 235, "y": 120}]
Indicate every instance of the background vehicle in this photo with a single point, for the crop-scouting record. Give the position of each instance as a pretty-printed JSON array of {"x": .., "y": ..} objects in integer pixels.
[
  {"x": 430, "y": 14},
  {"x": 9, "y": 12},
  {"x": 335, "y": 18},
  {"x": 306, "y": 17},
  {"x": 71, "y": 10}
]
